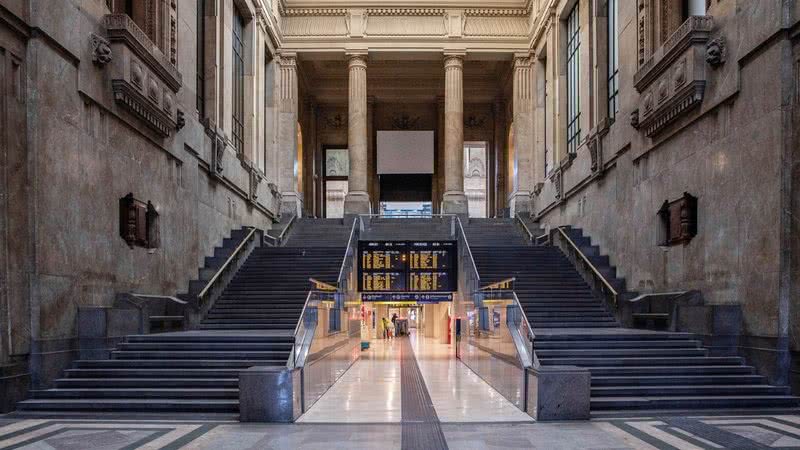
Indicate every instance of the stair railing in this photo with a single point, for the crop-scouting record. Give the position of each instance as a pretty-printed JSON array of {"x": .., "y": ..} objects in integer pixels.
[
  {"x": 602, "y": 283},
  {"x": 277, "y": 241},
  {"x": 348, "y": 261},
  {"x": 226, "y": 266},
  {"x": 527, "y": 230}
]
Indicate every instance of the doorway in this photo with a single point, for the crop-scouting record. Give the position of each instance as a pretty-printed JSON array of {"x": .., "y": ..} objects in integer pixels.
[
  {"x": 476, "y": 178},
  {"x": 336, "y": 169}
]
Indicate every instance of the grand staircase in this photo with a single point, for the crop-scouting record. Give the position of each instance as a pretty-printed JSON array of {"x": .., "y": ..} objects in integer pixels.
[
  {"x": 632, "y": 370},
  {"x": 252, "y": 323}
]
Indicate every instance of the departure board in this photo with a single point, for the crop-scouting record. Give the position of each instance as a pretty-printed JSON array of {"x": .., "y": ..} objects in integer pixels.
[{"x": 406, "y": 267}]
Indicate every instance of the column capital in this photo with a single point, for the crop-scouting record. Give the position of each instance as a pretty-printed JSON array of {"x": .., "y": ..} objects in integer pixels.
[
  {"x": 454, "y": 57},
  {"x": 287, "y": 58},
  {"x": 523, "y": 59},
  {"x": 356, "y": 57}
]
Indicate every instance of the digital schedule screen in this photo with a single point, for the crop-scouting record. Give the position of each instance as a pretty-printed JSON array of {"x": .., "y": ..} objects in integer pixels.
[{"x": 406, "y": 267}]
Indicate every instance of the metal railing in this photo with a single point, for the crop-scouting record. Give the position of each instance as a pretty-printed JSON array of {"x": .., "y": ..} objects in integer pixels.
[
  {"x": 531, "y": 237},
  {"x": 226, "y": 265},
  {"x": 277, "y": 241},
  {"x": 604, "y": 285}
]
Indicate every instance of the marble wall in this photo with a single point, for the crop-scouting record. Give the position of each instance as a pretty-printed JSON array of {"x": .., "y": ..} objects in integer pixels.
[
  {"x": 733, "y": 151},
  {"x": 75, "y": 152}
]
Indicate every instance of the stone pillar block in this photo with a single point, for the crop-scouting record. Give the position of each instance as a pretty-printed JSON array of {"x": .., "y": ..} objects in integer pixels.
[
  {"x": 270, "y": 394},
  {"x": 559, "y": 393}
]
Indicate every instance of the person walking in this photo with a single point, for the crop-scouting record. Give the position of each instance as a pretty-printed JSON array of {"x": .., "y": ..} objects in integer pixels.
[{"x": 385, "y": 324}]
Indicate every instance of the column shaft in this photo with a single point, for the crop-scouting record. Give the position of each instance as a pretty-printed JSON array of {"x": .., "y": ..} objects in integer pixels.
[
  {"x": 454, "y": 200},
  {"x": 292, "y": 199},
  {"x": 357, "y": 199},
  {"x": 519, "y": 201}
]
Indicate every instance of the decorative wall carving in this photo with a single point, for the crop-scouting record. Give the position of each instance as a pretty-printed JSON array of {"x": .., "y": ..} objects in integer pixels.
[
  {"x": 146, "y": 109},
  {"x": 101, "y": 50},
  {"x": 716, "y": 52},
  {"x": 595, "y": 146},
  {"x": 255, "y": 179},
  {"x": 475, "y": 121},
  {"x": 217, "y": 151},
  {"x": 558, "y": 184},
  {"x": 336, "y": 122},
  {"x": 405, "y": 122}
]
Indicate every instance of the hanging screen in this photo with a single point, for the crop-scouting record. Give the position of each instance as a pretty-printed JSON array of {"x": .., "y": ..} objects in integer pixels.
[{"x": 405, "y": 152}]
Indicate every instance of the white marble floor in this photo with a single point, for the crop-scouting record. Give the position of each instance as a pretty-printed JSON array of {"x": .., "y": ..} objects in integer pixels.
[
  {"x": 458, "y": 394},
  {"x": 370, "y": 391}
]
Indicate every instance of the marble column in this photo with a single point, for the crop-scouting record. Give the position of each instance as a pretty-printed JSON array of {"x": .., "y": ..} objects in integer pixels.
[
  {"x": 454, "y": 199},
  {"x": 519, "y": 200},
  {"x": 291, "y": 197},
  {"x": 357, "y": 199}
]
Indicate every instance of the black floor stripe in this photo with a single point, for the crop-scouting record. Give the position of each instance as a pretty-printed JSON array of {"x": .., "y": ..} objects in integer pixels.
[{"x": 421, "y": 427}]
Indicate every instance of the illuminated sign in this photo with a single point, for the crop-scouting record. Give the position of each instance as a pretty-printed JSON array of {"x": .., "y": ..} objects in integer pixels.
[{"x": 409, "y": 267}]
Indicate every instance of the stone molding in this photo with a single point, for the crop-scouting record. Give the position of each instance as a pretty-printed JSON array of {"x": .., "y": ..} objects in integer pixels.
[
  {"x": 131, "y": 99},
  {"x": 406, "y": 22},
  {"x": 121, "y": 29}
]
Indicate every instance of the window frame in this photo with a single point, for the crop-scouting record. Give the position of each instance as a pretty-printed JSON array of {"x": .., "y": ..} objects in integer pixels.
[
  {"x": 238, "y": 55},
  {"x": 573, "y": 118},
  {"x": 613, "y": 59},
  {"x": 200, "y": 97}
]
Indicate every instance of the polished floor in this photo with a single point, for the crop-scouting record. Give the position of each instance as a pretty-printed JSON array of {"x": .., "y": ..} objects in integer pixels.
[
  {"x": 370, "y": 392},
  {"x": 689, "y": 433}
]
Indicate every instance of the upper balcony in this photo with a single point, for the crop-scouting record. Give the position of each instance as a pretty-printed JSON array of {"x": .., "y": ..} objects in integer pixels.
[
  {"x": 144, "y": 80},
  {"x": 673, "y": 79}
]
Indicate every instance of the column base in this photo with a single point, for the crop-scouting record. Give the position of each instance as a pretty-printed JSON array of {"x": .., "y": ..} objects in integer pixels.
[
  {"x": 519, "y": 202},
  {"x": 292, "y": 203},
  {"x": 455, "y": 202},
  {"x": 357, "y": 202}
]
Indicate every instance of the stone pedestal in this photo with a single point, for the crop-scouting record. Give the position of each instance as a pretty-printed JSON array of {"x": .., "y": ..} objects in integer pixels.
[
  {"x": 357, "y": 199},
  {"x": 559, "y": 393},
  {"x": 292, "y": 203},
  {"x": 454, "y": 201},
  {"x": 519, "y": 202},
  {"x": 270, "y": 394}
]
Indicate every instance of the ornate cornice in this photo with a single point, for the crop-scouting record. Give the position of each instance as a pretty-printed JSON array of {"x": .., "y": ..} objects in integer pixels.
[
  {"x": 315, "y": 12},
  {"x": 405, "y": 11}
]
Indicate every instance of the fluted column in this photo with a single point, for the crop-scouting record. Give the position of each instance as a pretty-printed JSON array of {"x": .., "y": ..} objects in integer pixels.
[
  {"x": 519, "y": 200},
  {"x": 291, "y": 197},
  {"x": 357, "y": 199},
  {"x": 454, "y": 200}
]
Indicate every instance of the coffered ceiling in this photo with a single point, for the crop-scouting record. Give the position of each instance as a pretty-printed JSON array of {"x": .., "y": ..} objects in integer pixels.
[{"x": 402, "y": 81}]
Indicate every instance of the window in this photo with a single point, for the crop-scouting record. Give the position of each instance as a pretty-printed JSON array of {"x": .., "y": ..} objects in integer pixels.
[
  {"x": 201, "y": 57},
  {"x": 613, "y": 60},
  {"x": 548, "y": 158},
  {"x": 238, "y": 81},
  {"x": 573, "y": 81}
]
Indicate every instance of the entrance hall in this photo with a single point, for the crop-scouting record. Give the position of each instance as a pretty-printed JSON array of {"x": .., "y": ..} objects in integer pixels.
[{"x": 382, "y": 146}]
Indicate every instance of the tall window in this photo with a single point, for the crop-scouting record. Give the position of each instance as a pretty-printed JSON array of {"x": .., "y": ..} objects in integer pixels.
[
  {"x": 238, "y": 81},
  {"x": 613, "y": 60},
  {"x": 201, "y": 57},
  {"x": 573, "y": 81}
]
